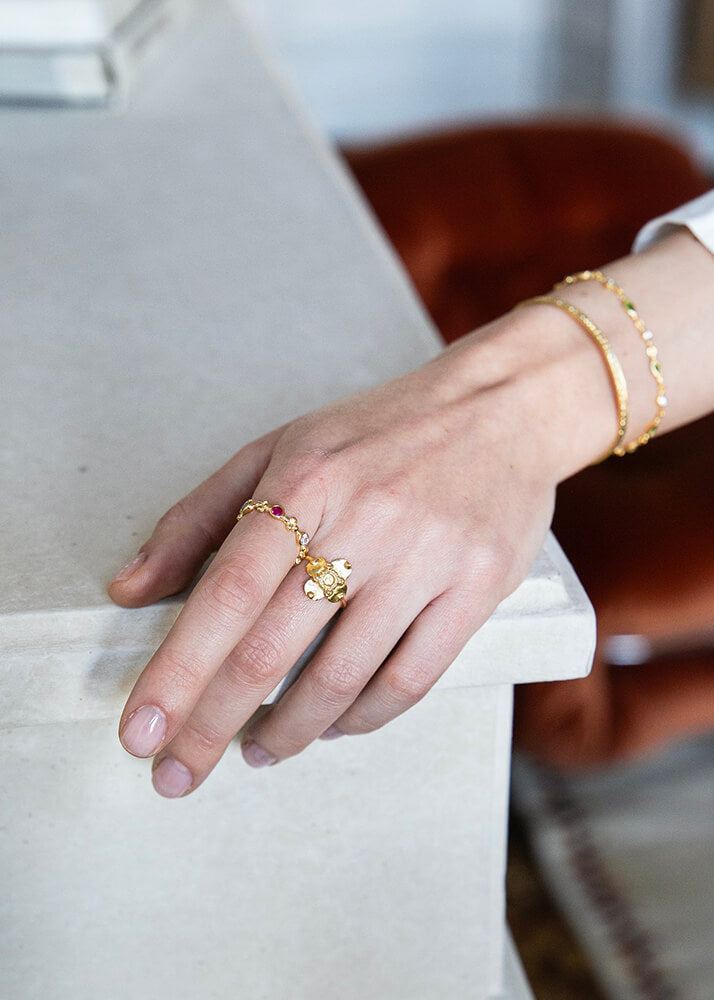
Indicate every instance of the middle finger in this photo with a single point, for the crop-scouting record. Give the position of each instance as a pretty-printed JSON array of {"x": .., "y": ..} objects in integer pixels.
[{"x": 249, "y": 673}]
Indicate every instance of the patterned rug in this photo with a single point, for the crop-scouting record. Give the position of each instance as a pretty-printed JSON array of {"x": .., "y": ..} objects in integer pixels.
[
  {"x": 554, "y": 962},
  {"x": 627, "y": 854}
]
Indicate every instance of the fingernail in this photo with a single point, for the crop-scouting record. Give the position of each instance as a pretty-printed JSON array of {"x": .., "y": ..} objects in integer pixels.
[
  {"x": 130, "y": 568},
  {"x": 333, "y": 733},
  {"x": 170, "y": 778},
  {"x": 144, "y": 731},
  {"x": 256, "y": 756}
]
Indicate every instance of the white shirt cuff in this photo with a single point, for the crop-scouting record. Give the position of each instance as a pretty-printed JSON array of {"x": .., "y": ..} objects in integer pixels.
[{"x": 697, "y": 216}]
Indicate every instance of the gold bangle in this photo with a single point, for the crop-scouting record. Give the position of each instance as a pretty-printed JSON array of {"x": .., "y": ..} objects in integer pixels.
[
  {"x": 646, "y": 335},
  {"x": 614, "y": 367}
]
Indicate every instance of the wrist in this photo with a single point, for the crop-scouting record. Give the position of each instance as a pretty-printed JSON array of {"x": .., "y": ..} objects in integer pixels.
[{"x": 548, "y": 380}]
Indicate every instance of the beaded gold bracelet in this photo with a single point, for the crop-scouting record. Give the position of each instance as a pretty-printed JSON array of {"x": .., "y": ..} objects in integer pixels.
[
  {"x": 646, "y": 335},
  {"x": 617, "y": 376}
]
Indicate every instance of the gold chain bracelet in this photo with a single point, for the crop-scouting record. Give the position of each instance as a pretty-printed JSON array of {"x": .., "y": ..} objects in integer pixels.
[
  {"x": 646, "y": 335},
  {"x": 617, "y": 376}
]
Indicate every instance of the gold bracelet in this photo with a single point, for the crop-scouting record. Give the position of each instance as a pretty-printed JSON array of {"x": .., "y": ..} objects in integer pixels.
[
  {"x": 646, "y": 335},
  {"x": 614, "y": 367}
]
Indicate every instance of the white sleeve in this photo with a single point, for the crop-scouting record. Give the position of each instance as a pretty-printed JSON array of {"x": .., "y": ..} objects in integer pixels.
[{"x": 697, "y": 216}]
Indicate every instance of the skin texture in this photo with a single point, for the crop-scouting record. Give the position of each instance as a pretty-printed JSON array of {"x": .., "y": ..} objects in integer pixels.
[{"x": 438, "y": 487}]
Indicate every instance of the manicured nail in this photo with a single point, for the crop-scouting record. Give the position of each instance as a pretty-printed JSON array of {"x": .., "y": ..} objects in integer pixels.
[
  {"x": 333, "y": 733},
  {"x": 256, "y": 756},
  {"x": 130, "y": 568},
  {"x": 144, "y": 731},
  {"x": 170, "y": 778}
]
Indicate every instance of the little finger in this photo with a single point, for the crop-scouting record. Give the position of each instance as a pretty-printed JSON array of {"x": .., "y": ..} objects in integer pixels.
[
  {"x": 367, "y": 631},
  {"x": 426, "y": 650}
]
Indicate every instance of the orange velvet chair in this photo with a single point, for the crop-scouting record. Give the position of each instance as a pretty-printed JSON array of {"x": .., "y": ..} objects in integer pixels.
[{"x": 486, "y": 217}]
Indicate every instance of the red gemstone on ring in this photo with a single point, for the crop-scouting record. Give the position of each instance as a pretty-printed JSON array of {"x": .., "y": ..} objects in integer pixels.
[{"x": 276, "y": 511}]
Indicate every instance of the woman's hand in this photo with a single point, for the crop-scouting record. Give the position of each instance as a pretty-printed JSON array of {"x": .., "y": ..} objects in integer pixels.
[{"x": 438, "y": 488}]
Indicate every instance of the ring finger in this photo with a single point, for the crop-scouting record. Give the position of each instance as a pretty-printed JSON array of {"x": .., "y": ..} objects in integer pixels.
[{"x": 368, "y": 630}]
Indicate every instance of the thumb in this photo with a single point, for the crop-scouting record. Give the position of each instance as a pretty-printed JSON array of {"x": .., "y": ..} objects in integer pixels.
[{"x": 192, "y": 529}]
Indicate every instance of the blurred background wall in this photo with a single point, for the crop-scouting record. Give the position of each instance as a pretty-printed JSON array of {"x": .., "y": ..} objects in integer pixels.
[{"x": 372, "y": 69}]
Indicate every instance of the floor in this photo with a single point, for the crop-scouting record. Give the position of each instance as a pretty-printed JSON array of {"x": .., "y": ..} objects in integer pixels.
[{"x": 556, "y": 967}]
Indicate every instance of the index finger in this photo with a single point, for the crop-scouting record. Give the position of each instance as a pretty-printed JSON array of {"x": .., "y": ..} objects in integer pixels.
[{"x": 227, "y": 601}]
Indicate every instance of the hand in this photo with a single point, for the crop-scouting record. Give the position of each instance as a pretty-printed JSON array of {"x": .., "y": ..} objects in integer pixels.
[{"x": 438, "y": 487}]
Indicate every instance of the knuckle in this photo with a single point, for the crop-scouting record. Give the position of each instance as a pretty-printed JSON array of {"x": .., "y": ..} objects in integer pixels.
[
  {"x": 357, "y": 723},
  {"x": 492, "y": 564},
  {"x": 256, "y": 658},
  {"x": 182, "y": 674},
  {"x": 340, "y": 678},
  {"x": 309, "y": 472},
  {"x": 250, "y": 452},
  {"x": 174, "y": 516},
  {"x": 462, "y": 620},
  {"x": 182, "y": 516},
  {"x": 381, "y": 510},
  {"x": 313, "y": 462},
  {"x": 383, "y": 505},
  {"x": 409, "y": 682},
  {"x": 231, "y": 591},
  {"x": 203, "y": 737}
]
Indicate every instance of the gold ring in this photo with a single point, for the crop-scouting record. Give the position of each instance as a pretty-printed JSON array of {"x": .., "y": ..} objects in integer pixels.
[{"x": 326, "y": 579}]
